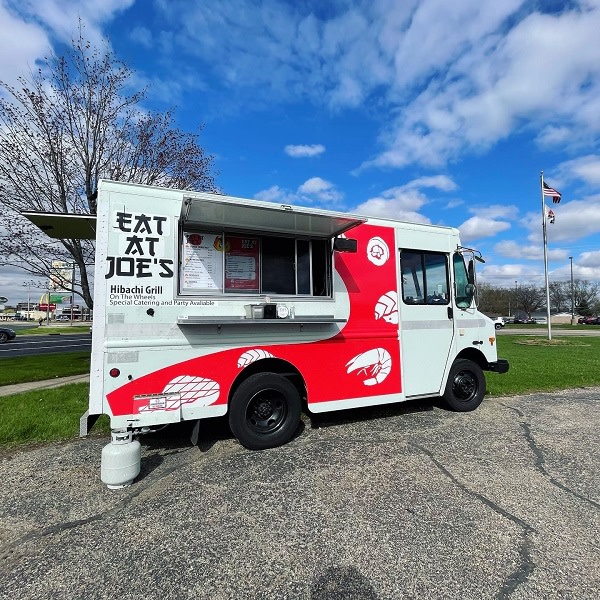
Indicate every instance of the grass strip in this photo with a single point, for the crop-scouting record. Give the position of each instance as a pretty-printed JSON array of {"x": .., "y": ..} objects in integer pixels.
[
  {"x": 47, "y": 330},
  {"x": 22, "y": 369},
  {"x": 539, "y": 364},
  {"x": 46, "y": 415}
]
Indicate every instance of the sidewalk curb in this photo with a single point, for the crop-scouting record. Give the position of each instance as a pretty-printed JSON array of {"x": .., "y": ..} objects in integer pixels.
[{"x": 7, "y": 390}]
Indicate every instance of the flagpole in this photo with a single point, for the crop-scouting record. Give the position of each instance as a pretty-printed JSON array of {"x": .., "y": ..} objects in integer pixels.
[{"x": 545, "y": 237}]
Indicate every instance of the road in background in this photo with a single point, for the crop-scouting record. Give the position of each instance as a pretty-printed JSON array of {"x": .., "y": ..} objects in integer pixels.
[
  {"x": 27, "y": 345},
  {"x": 582, "y": 331}
]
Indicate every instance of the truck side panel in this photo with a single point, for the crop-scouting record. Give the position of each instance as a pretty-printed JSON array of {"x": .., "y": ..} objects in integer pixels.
[{"x": 359, "y": 361}]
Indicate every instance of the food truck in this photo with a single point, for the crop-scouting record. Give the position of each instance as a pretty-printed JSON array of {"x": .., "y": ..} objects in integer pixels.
[{"x": 207, "y": 305}]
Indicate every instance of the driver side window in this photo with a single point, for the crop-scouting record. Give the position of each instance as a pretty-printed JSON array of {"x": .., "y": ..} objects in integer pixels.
[{"x": 424, "y": 277}]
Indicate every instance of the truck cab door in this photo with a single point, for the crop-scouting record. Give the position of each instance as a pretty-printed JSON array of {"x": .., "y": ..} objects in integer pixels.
[{"x": 427, "y": 321}]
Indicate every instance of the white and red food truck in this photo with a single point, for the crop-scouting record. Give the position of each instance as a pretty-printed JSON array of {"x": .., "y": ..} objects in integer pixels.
[{"x": 208, "y": 305}]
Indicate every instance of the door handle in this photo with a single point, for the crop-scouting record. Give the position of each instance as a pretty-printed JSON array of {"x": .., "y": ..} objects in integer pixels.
[{"x": 450, "y": 312}]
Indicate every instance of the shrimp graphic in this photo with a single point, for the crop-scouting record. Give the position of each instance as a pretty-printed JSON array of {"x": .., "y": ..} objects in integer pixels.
[
  {"x": 387, "y": 308},
  {"x": 375, "y": 363},
  {"x": 251, "y": 355}
]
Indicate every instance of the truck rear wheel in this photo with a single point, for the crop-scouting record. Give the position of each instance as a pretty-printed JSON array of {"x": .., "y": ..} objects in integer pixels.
[
  {"x": 264, "y": 411},
  {"x": 465, "y": 388}
]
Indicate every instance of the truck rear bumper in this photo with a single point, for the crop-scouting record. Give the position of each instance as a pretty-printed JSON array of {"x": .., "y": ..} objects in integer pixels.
[{"x": 500, "y": 366}]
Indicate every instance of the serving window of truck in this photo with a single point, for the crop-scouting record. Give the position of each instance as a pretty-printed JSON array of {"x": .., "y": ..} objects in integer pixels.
[
  {"x": 232, "y": 263},
  {"x": 272, "y": 252}
]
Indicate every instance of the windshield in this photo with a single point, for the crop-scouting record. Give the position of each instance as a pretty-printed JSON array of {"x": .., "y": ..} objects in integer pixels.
[{"x": 464, "y": 281}]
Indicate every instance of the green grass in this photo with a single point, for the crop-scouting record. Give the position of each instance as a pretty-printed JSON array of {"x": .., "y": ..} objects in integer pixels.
[
  {"x": 46, "y": 415},
  {"x": 47, "y": 330},
  {"x": 537, "y": 364},
  {"x": 37, "y": 368}
]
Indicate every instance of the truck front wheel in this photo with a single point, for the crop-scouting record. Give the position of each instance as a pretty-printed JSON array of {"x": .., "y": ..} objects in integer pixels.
[
  {"x": 264, "y": 411},
  {"x": 465, "y": 388}
]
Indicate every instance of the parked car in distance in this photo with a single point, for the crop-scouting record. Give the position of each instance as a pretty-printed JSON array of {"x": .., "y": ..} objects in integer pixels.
[
  {"x": 524, "y": 320},
  {"x": 6, "y": 335},
  {"x": 499, "y": 322},
  {"x": 588, "y": 320},
  {"x": 63, "y": 318}
]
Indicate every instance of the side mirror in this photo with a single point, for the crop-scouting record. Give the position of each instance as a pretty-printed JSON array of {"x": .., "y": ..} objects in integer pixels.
[
  {"x": 471, "y": 272},
  {"x": 345, "y": 245}
]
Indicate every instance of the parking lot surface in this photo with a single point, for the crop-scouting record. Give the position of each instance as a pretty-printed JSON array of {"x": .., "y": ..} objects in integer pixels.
[{"x": 407, "y": 501}]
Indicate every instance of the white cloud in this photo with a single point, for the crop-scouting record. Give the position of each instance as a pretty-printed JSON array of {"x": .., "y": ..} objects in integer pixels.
[
  {"x": 141, "y": 36},
  {"x": 454, "y": 77},
  {"x": 589, "y": 259},
  {"x": 313, "y": 191},
  {"x": 477, "y": 228},
  {"x": 495, "y": 211},
  {"x": 29, "y": 26},
  {"x": 506, "y": 275},
  {"x": 404, "y": 202},
  {"x": 320, "y": 190},
  {"x": 585, "y": 168},
  {"x": 303, "y": 151},
  {"x": 486, "y": 86},
  {"x": 21, "y": 45},
  {"x": 574, "y": 220},
  {"x": 440, "y": 182},
  {"x": 553, "y": 135},
  {"x": 390, "y": 205},
  {"x": 274, "y": 194},
  {"x": 514, "y": 249}
]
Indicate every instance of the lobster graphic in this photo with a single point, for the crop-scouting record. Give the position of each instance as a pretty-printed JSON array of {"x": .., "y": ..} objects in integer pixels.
[{"x": 375, "y": 363}]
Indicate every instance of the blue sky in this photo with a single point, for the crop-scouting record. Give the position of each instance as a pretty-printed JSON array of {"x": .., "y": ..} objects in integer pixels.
[{"x": 422, "y": 110}]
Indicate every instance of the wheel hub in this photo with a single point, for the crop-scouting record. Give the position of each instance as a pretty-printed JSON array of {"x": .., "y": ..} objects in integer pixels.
[
  {"x": 464, "y": 385},
  {"x": 264, "y": 408},
  {"x": 266, "y": 411}
]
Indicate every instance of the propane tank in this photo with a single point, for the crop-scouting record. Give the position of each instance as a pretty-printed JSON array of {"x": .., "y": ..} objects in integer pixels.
[{"x": 121, "y": 460}]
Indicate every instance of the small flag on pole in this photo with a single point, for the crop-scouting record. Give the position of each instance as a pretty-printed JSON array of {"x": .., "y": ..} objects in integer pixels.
[
  {"x": 550, "y": 216},
  {"x": 548, "y": 191}
]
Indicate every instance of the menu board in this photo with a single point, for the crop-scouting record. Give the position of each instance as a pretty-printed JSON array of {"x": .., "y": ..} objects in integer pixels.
[
  {"x": 202, "y": 261},
  {"x": 241, "y": 264}
]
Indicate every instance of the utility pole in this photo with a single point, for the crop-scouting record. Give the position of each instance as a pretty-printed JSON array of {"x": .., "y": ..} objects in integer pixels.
[
  {"x": 572, "y": 294},
  {"x": 28, "y": 286}
]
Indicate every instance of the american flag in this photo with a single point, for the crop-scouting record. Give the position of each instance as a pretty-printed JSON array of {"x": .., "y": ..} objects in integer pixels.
[{"x": 548, "y": 191}]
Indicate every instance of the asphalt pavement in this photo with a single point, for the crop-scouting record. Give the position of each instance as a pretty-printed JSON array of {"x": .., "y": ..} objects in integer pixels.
[{"x": 404, "y": 501}]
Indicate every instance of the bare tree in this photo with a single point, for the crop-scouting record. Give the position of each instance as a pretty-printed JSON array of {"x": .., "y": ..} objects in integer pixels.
[
  {"x": 560, "y": 296},
  {"x": 586, "y": 296},
  {"x": 65, "y": 127},
  {"x": 529, "y": 299},
  {"x": 494, "y": 300}
]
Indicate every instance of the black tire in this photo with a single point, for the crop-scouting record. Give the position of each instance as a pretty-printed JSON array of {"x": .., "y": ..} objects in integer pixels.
[
  {"x": 465, "y": 388},
  {"x": 264, "y": 411},
  {"x": 3, "y": 337},
  {"x": 498, "y": 326}
]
